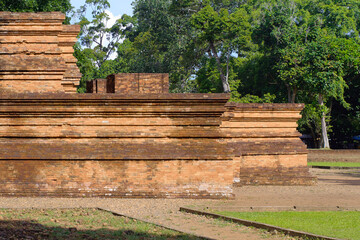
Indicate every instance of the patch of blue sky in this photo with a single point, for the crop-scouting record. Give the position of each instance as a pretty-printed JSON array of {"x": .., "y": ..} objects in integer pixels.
[
  {"x": 116, "y": 10},
  {"x": 117, "y": 7}
]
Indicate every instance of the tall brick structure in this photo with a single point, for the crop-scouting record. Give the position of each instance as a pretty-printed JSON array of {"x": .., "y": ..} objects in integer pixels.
[
  {"x": 36, "y": 53},
  {"x": 127, "y": 137}
]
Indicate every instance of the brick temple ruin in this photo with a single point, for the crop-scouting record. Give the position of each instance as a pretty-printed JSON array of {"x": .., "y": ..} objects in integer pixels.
[{"x": 128, "y": 136}]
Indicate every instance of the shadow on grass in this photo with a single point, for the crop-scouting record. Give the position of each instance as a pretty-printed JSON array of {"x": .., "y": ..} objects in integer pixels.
[{"x": 20, "y": 229}]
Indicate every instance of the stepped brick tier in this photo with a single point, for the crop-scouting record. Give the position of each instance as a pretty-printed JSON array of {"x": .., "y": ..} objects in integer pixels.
[
  {"x": 36, "y": 53},
  {"x": 72, "y": 74},
  {"x": 142, "y": 145},
  {"x": 129, "y": 137},
  {"x": 267, "y": 147}
]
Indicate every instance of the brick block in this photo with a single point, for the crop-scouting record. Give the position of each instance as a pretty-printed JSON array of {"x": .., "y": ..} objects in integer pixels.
[
  {"x": 96, "y": 86},
  {"x": 132, "y": 83}
]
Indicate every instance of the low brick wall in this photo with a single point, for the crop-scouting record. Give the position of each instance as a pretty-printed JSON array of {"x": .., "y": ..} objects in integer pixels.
[
  {"x": 267, "y": 147},
  {"x": 144, "y": 145}
]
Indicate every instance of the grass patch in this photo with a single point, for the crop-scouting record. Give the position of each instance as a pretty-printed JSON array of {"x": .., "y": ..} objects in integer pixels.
[
  {"x": 338, "y": 224},
  {"x": 77, "y": 224},
  {"x": 335, "y": 164}
]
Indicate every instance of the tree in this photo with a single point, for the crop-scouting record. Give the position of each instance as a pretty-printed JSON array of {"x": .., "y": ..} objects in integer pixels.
[
  {"x": 96, "y": 35},
  {"x": 98, "y": 41},
  {"x": 37, "y": 6},
  {"x": 156, "y": 42},
  {"x": 312, "y": 46},
  {"x": 221, "y": 33}
]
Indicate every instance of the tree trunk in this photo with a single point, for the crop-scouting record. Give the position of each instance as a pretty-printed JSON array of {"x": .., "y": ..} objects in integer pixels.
[
  {"x": 291, "y": 93},
  {"x": 288, "y": 93},
  {"x": 225, "y": 82},
  {"x": 293, "y": 96},
  {"x": 324, "y": 136},
  {"x": 315, "y": 140}
]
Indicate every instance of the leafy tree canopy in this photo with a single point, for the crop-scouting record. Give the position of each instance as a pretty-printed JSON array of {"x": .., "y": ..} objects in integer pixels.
[{"x": 37, "y": 6}]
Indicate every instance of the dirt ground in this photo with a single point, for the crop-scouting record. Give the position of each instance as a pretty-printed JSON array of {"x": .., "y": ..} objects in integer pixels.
[
  {"x": 335, "y": 189},
  {"x": 348, "y": 155}
]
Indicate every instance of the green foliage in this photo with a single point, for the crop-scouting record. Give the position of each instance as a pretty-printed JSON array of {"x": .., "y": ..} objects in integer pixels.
[
  {"x": 248, "y": 98},
  {"x": 98, "y": 41},
  {"x": 221, "y": 32},
  {"x": 311, "y": 122},
  {"x": 37, "y": 6},
  {"x": 310, "y": 47},
  {"x": 207, "y": 77},
  {"x": 260, "y": 51}
]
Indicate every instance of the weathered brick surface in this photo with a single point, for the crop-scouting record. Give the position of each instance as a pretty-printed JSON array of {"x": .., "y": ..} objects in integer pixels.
[
  {"x": 97, "y": 86},
  {"x": 266, "y": 144},
  {"x": 72, "y": 75},
  {"x": 143, "y": 145},
  {"x": 121, "y": 178},
  {"x": 36, "y": 53},
  {"x": 132, "y": 83}
]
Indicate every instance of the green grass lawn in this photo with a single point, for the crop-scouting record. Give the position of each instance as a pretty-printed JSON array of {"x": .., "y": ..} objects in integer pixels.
[
  {"x": 338, "y": 224},
  {"x": 335, "y": 164},
  {"x": 77, "y": 224}
]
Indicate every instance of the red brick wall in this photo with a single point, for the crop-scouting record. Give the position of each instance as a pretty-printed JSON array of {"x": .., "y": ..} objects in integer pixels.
[
  {"x": 144, "y": 145},
  {"x": 121, "y": 178},
  {"x": 266, "y": 144}
]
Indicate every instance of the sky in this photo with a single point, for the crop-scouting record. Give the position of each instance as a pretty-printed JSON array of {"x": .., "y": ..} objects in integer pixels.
[{"x": 117, "y": 8}]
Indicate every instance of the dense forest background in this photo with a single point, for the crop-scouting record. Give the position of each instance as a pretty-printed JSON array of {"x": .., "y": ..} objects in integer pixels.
[{"x": 264, "y": 51}]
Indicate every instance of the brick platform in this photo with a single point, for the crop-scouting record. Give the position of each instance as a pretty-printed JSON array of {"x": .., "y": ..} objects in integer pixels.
[
  {"x": 144, "y": 145},
  {"x": 127, "y": 137}
]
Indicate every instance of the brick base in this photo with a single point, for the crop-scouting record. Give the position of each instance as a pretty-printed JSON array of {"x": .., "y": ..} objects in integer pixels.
[
  {"x": 118, "y": 178},
  {"x": 272, "y": 170}
]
